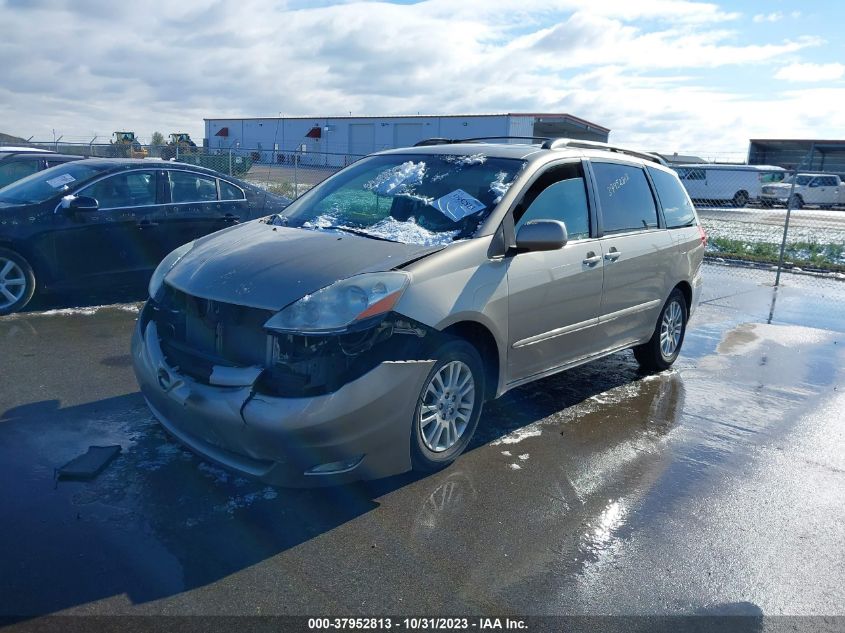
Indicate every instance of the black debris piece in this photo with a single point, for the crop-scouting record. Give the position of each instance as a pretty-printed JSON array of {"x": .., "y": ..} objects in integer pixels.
[{"x": 90, "y": 464}]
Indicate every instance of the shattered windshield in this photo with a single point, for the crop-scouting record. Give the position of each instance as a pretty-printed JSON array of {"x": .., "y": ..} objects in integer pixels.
[{"x": 424, "y": 199}]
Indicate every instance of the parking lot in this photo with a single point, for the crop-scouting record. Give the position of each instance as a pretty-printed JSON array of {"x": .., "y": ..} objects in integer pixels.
[{"x": 715, "y": 487}]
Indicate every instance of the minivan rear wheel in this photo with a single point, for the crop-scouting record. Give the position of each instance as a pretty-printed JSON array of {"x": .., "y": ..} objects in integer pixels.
[
  {"x": 448, "y": 407},
  {"x": 17, "y": 282},
  {"x": 664, "y": 346}
]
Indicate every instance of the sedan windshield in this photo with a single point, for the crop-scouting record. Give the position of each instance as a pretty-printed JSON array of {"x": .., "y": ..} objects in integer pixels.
[
  {"x": 43, "y": 185},
  {"x": 425, "y": 199}
]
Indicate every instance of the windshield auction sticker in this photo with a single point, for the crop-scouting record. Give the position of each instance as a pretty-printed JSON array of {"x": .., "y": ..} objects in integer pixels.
[
  {"x": 458, "y": 205},
  {"x": 60, "y": 181}
]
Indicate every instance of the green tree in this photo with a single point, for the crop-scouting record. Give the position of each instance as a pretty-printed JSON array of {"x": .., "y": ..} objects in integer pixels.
[{"x": 157, "y": 139}]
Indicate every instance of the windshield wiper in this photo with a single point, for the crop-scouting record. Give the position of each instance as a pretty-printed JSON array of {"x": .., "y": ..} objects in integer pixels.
[{"x": 347, "y": 229}]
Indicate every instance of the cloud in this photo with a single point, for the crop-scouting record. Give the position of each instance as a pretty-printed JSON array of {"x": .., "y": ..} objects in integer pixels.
[
  {"x": 775, "y": 16},
  {"x": 636, "y": 67},
  {"x": 811, "y": 72}
]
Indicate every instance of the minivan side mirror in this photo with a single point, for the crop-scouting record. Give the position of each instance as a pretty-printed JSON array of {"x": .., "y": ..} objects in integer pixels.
[
  {"x": 84, "y": 204},
  {"x": 542, "y": 235}
]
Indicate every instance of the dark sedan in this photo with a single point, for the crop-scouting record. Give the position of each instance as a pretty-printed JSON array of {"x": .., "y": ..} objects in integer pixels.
[
  {"x": 97, "y": 223},
  {"x": 19, "y": 162}
]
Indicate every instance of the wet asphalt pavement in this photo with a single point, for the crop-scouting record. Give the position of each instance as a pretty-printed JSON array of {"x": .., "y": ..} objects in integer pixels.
[{"x": 716, "y": 487}]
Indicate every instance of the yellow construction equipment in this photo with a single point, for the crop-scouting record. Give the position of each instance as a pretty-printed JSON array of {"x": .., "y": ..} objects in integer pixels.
[
  {"x": 181, "y": 141},
  {"x": 125, "y": 145}
]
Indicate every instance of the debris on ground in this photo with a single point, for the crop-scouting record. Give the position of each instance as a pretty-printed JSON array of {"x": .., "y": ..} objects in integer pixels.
[{"x": 90, "y": 464}]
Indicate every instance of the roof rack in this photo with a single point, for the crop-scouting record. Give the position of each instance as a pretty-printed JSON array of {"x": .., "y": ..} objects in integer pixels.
[
  {"x": 450, "y": 141},
  {"x": 572, "y": 142}
]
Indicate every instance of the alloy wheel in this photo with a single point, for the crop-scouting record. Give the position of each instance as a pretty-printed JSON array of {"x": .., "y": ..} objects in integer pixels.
[
  {"x": 670, "y": 329},
  {"x": 447, "y": 406},
  {"x": 12, "y": 283}
]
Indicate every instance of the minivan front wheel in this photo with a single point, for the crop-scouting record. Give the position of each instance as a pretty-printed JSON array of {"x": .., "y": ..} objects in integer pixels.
[
  {"x": 17, "y": 282},
  {"x": 665, "y": 344},
  {"x": 448, "y": 407}
]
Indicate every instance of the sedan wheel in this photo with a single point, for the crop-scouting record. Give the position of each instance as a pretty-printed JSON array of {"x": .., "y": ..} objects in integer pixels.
[{"x": 17, "y": 282}]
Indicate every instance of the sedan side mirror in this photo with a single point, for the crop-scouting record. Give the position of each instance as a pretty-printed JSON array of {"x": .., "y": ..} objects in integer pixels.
[
  {"x": 542, "y": 235},
  {"x": 84, "y": 204}
]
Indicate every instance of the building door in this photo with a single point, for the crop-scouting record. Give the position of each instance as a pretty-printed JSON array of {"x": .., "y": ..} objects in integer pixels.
[
  {"x": 362, "y": 138},
  {"x": 406, "y": 134}
]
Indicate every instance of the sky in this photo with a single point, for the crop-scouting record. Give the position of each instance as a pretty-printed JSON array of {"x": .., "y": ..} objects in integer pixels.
[{"x": 663, "y": 75}]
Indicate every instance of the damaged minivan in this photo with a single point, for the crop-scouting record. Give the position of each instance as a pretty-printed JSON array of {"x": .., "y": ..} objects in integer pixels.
[{"x": 357, "y": 333}]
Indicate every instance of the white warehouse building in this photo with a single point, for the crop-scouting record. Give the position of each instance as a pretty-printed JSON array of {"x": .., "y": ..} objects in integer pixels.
[{"x": 337, "y": 140}]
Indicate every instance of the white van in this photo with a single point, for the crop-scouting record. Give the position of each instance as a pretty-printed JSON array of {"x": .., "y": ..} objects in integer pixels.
[{"x": 735, "y": 184}]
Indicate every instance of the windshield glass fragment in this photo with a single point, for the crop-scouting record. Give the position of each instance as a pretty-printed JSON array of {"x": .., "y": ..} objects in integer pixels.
[{"x": 425, "y": 199}]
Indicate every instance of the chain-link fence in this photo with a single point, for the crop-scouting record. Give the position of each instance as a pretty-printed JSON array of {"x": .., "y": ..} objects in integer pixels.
[
  {"x": 788, "y": 216},
  {"x": 289, "y": 173},
  {"x": 784, "y": 217}
]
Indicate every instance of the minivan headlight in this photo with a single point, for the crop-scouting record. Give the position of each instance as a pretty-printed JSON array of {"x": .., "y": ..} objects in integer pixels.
[
  {"x": 339, "y": 307},
  {"x": 166, "y": 265}
]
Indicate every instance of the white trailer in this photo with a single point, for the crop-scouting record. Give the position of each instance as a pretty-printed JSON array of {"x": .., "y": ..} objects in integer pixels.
[{"x": 735, "y": 184}]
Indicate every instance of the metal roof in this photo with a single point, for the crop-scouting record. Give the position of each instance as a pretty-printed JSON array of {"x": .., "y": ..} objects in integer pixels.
[{"x": 555, "y": 115}]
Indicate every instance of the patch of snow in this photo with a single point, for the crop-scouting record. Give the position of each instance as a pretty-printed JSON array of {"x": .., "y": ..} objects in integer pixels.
[
  {"x": 500, "y": 187},
  {"x": 515, "y": 466},
  {"x": 410, "y": 232},
  {"x": 244, "y": 501},
  {"x": 518, "y": 435},
  {"x": 506, "y": 453},
  {"x": 473, "y": 159},
  {"x": 407, "y": 232},
  {"x": 397, "y": 179},
  {"x": 219, "y": 475},
  {"x": 524, "y": 456}
]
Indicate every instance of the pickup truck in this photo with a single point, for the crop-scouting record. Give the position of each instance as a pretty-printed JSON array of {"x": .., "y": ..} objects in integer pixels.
[{"x": 821, "y": 190}]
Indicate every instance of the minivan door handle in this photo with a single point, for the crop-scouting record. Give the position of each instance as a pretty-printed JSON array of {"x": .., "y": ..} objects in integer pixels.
[
  {"x": 231, "y": 218},
  {"x": 613, "y": 255},
  {"x": 592, "y": 258},
  {"x": 146, "y": 224}
]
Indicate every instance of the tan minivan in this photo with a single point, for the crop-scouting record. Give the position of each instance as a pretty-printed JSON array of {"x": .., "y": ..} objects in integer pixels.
[{"x": 358, "y": 333}]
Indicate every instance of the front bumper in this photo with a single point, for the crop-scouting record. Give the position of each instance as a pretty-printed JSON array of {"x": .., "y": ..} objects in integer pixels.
[{"x": 366, "y": 424}]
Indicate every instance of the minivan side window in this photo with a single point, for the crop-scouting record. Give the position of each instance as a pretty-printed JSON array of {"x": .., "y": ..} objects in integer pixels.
[
  {"x": 627, "y": 203},
  {"x": 677, "y": 208},
  {"x": 186, "y": 186},
  {"x": 558, "y": 194}
]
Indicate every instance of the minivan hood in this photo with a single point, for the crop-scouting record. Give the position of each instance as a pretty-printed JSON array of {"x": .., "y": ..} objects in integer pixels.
[{"x": 263, "y": 266}]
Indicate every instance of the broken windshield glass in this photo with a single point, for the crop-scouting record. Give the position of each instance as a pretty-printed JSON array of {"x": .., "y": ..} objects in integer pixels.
[{"x": 425, "y": 199}]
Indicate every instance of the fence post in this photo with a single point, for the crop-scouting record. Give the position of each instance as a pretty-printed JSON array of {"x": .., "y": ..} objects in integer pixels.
[
  {"x": 177, "y": 151},
  {"x": 295, "y": 175},
  {"x": 230, "y": 161},
  {"x": 789, "y": 202}
]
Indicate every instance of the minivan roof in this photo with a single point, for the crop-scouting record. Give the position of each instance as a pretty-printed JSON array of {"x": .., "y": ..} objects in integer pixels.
[
  {"x": 729, "y": 167},
  {"x": 525, "y": 151}
]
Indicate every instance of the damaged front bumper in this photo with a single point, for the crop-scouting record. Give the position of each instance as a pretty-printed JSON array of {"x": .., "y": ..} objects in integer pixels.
[{"x": 360, "y": 431}]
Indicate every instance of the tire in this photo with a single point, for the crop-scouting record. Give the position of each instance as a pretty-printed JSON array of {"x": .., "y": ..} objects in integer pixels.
[
  {"x": 659, "y": 354},
  {"x": 434, "y": 419},
  {"x": 740, "y": 199},
  {"x": 795, "y": 201},
  {"x": 17, "y": 282}
]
